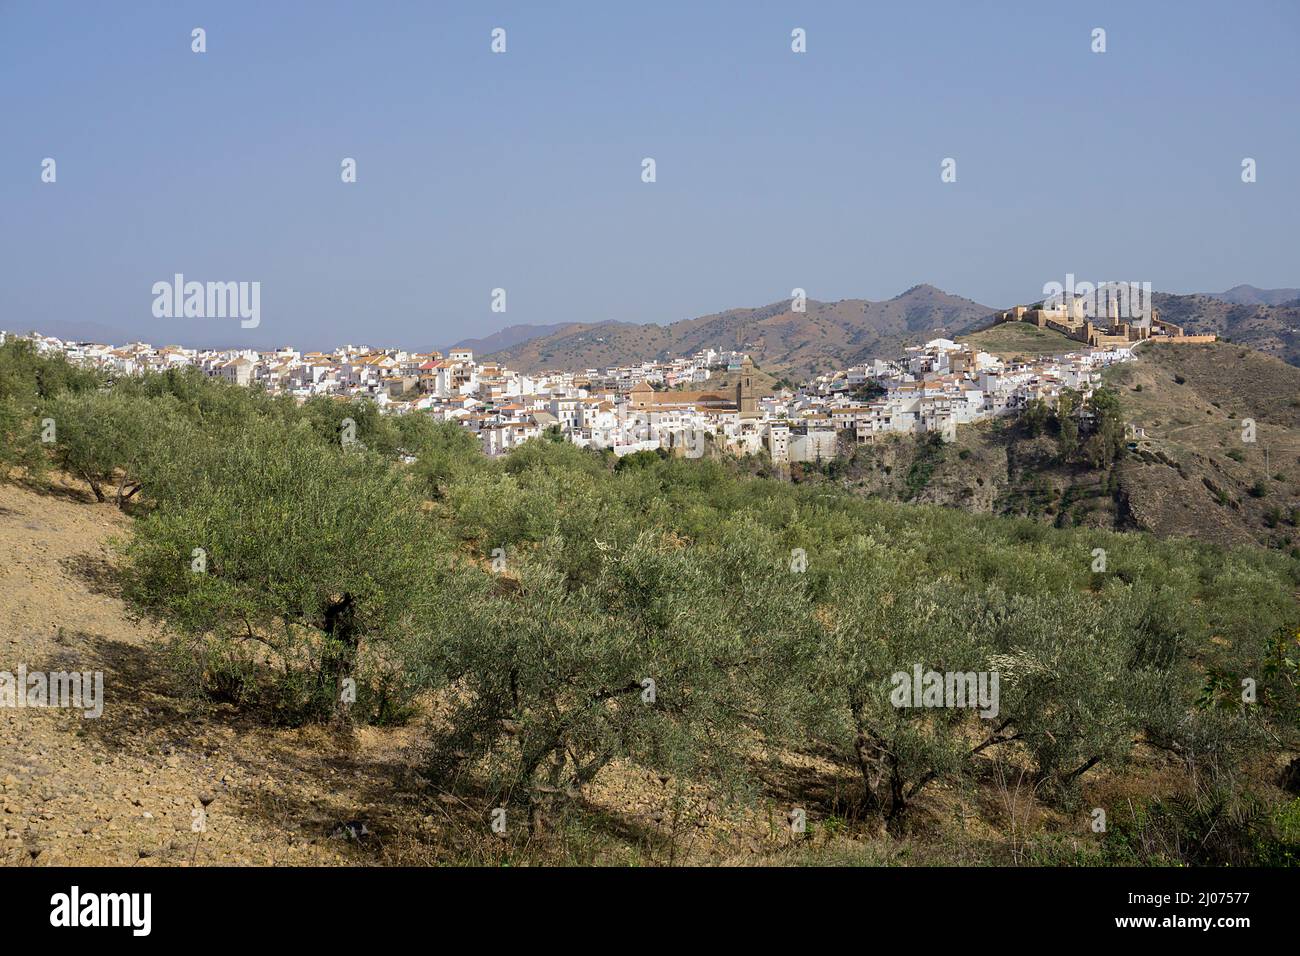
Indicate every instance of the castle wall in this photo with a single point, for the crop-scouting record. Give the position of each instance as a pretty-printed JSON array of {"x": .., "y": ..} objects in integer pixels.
[{"x": 1119, "y": 333}]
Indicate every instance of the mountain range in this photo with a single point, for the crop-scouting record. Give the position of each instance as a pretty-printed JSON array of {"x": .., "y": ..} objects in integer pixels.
[
  {"x": 508, "y": 337},
  {"x": 826, "y": 335},
  {"x": 829, "y": 335}
]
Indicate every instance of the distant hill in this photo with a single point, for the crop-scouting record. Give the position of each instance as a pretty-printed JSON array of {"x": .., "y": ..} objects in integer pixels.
[
  {"x": 1250, "y": 295},
  {"x": 829, "y": 335},
  {"x": 1273, "y": 329},
  {"x": 509, "y": 337}
]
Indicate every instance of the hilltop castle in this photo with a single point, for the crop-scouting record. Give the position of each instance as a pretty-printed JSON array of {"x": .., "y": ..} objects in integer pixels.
[{"x": 1072, "y": 319}]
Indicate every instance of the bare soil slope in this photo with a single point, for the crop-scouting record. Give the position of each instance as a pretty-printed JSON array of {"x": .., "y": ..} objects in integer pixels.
[{"x": 1194, "y": 472}]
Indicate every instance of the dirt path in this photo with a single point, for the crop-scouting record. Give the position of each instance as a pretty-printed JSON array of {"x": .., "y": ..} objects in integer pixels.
[{"x": 125, "y": 788}]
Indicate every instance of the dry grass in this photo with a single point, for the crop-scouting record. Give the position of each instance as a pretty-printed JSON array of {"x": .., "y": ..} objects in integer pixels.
[{"x": 1019, "y": 340}]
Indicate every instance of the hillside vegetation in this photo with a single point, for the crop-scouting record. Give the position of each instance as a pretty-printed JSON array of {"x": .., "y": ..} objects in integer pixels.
[{"x": 665, "y": 660}]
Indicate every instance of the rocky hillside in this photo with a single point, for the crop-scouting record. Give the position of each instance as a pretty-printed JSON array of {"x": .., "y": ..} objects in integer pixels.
[
  {"x": 1191, "y": 474},
  {"x": 828, "y": 335}
]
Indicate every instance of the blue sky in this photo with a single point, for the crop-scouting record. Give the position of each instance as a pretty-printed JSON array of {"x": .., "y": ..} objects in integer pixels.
[{"x": 522, "y": 170}]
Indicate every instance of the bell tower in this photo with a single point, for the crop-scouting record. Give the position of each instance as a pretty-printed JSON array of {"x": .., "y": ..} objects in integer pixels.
[{"x": 745, "y": 400}]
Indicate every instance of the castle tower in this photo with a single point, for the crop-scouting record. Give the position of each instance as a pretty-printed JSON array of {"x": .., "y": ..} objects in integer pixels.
[{"x": 745, "y": 400}]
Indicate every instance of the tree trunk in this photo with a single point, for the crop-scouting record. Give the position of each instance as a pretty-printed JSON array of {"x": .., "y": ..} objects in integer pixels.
[
  {"x": 540, "y": 799},
  {"x": 94, "y": 486},
  {"x": 340, "y": 655},
  {"x": 897, "y": 797},
  {"x": 1078, "y": 772},
  {"x": 868, "y": 753}
]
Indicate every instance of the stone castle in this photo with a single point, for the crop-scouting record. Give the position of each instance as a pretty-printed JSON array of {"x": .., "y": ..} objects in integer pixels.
[{"x": 1074, "y": 320}]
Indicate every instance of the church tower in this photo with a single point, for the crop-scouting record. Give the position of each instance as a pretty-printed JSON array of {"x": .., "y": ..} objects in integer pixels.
[{"x": 745, "y": 400}]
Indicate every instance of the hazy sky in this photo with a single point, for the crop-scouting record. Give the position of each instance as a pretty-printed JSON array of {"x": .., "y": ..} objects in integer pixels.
[{"x": 522, "y": 170}]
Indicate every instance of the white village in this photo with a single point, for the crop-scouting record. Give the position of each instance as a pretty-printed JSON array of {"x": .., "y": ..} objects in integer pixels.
[{"x": 669, "y": 404}]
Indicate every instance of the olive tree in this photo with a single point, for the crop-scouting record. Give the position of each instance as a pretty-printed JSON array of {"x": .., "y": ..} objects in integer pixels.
[
  {"x": 1075, "y": 691},
  {"x": 444, "y": 451},
  {"x": 662, "y": 658},
  {"x": 27, "y": 379},
  {"x": 271, "y": 539},
  {"x": 884, "y": 619},
  {"x": 108, "y": 439}
]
